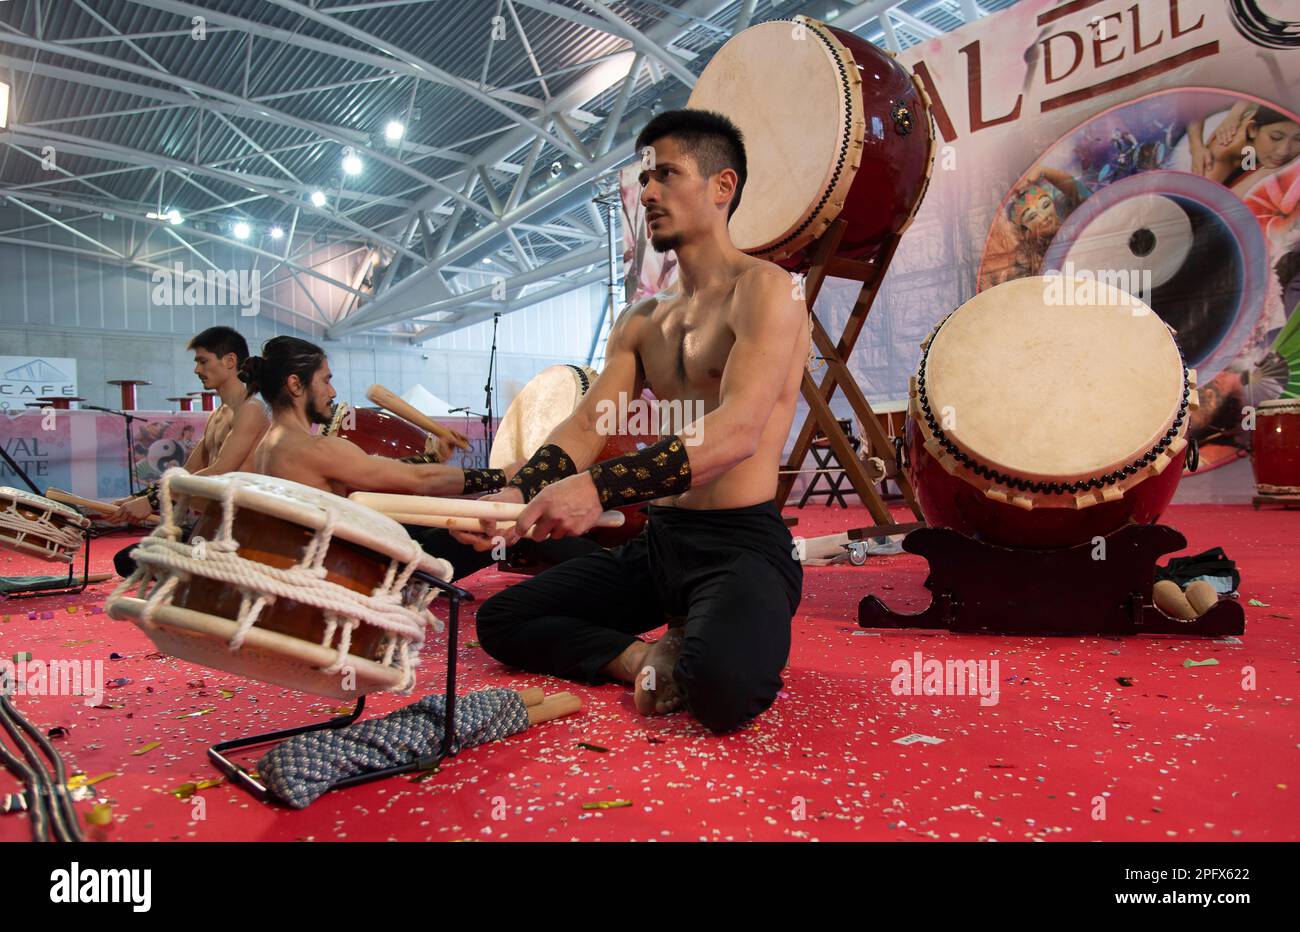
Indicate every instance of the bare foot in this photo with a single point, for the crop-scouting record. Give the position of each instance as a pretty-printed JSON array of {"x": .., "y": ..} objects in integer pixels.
[
  {"x": 626, "y": 665},
  {"x": 656, "y": 693}
]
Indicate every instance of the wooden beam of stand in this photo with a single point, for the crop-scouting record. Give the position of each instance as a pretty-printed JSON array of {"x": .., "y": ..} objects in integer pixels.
[
  {"x": 844, "y": 452},
  {"x": 862, "y": 408}
]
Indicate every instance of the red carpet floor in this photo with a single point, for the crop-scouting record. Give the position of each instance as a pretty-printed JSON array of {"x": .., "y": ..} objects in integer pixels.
[{"x": 1184, "y": 753}]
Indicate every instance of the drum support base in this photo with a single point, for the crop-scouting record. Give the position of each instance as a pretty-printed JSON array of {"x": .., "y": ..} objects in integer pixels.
[
  {"x": 1289, "y": 501},
  {"x": 248, "y": 780},
  {"x": 19, "y": 587},
  {"x": 1094, "y": 588}
]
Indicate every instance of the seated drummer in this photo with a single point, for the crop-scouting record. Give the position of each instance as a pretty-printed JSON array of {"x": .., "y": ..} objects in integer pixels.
[
  {"x": 229, "y": 434},
  {"x": 295, "y": 379},
  {"x": 716, "y": 561}
]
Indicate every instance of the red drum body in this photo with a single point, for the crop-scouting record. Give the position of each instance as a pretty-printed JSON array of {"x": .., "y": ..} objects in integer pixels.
[
  {"x": 378, "y": 432},
  {"x": 542, "y": 405},
  {"x": 1039, "y": 425},
  {"x": 1275, "y": 447},
  {"x": 833, "y": 127}
]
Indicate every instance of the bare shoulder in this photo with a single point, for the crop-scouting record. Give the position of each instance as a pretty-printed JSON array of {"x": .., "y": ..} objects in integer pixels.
[
  {"x": 630, "y": 323},
  {"x": 767, "y": 293}
]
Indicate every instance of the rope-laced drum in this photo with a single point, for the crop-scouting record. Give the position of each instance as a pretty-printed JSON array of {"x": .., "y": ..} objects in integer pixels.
[
  {"x": 1275, "y": 447},
  {"x": 1037, "y": 422},
  {"x": 283, "y": 583},
  {"x": 38, "y": 527},
  {"x": 833, "y": 127},
  {"x": 543, "y": 404}
]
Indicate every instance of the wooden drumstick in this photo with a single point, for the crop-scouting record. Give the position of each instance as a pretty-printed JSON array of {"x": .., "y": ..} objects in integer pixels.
[
  {"x": 532, "y": 696},
  {"x": 555, "y": 706},
  {"x": 391, "y": 403},
  {"x": 409, "y": 506},
  {"x": 1170, "y": 600},
  {"x": 88, "y": 504},
  {"x": 443, "y": 521},
  {"x": 1201, "y": 596}
]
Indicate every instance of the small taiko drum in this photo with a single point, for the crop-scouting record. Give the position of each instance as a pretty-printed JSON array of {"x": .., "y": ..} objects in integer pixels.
[
  {"x": 1041, "y": 422},
  {"x": 543, "y": 404},
  {"x": 39, "y": 527},
  {"x": 379, "y": 433},
  {"x": 283, "y": 583},
  {"x": 1275, "y": 447},
  {"x": 833, "y": 127}
]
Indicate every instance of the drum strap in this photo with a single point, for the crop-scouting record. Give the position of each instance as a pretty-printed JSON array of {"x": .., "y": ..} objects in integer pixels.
[{"x": 649, "y": 473}]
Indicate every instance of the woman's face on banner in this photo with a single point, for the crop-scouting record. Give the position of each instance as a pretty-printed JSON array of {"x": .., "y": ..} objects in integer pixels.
[
  {"x": 1039, "y": 215},
  {"x": 1276, "y": 144}
]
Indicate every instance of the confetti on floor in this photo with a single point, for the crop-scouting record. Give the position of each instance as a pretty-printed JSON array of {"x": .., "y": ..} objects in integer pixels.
[{"x": 1090, "y": 737}]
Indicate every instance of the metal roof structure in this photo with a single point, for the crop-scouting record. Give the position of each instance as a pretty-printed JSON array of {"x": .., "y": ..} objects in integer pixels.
[{"x": 235, "y": 112}]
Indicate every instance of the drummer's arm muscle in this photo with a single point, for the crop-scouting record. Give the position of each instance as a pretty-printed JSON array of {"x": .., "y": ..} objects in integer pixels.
[
  {"x": 621, "y": 376},
  {"x": 250, "y": 423},
  {"x": 769, "y": 324},
  {"x": 344, "y": 462}
]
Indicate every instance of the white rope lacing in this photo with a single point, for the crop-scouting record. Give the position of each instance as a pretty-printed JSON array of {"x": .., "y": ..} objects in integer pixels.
[
  {"x": 54, "y": 537},
  {"x": 162, "y": 557}
]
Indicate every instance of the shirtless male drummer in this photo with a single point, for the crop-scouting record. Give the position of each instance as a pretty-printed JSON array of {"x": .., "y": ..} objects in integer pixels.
[
  {"x": 229, "y": 436},
  {"x": 716, "y": 560},
  {"x": 295, "y": 379}
]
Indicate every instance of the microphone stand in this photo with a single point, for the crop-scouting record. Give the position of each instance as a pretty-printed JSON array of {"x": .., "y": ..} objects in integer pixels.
[
  {"x": 487, "y": 388},
  {"x": 130, "y": 441}
]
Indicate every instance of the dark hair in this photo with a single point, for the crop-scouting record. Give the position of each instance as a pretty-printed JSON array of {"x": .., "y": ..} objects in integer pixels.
[
  {"x": 281, "y": 357},
  {"x": 221, "y": 341},
  {"x": 711, "y": 139},
  {"x": 1265, "y": 116},
  {"x": 1288, "y": 267}
]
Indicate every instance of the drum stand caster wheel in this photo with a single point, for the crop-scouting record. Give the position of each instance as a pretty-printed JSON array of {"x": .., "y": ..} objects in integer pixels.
[{"x": 857, "y": 552}]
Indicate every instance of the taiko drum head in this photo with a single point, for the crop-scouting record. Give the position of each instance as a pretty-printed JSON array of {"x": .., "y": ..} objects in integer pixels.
[
  {"x": 1054, "y": 391},
  {"x": 541, "y": 406}
]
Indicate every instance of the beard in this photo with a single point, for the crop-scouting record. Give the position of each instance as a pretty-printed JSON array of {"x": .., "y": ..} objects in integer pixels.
[
  {"x": 321, "y": 414},
  {"x": 666, "y": 243}
]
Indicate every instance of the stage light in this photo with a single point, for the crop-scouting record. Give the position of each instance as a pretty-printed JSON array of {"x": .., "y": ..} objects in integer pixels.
[
  {"x": 277, "y": 233},
  {"x": 241, "y": 230},
  {"x": 174, "y": 217},
  {"x": 351, "y": 162},
  {"x": 318, "y": 198},
  {"x": 394, "y": 131}
]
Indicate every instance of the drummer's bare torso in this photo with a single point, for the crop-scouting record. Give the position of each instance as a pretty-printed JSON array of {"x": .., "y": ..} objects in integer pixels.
[
  {"x": 218, "y": 428},
  {"x": 285, "y": 452},
  {"x": 682, "y": 346}
]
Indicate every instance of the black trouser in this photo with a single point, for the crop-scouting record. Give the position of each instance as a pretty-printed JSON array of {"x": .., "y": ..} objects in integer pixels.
[
  {"x": 123, "y": 563},
  {"x": 465, "y": 560},
  {"x": 729, "y": 574}
]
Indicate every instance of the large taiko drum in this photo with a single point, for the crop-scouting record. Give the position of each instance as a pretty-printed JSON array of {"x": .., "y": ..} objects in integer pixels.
[
  {"x": 1275, "y": 447},
  {"x": 283, "y": 583},
  {"x": 39, "y": 527},
  {"x": 379, "y": 433},
  {"x": 833, "y": 127},
  {"x": 543, "y": 404},
  {"x": 1042, "y": 417}
]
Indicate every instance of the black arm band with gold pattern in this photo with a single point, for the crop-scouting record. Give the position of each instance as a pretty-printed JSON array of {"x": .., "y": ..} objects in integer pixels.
[
  {"x": 483, "y": 480},
  {"x": 152, "y": 493},
  {"x": 649, "y": 473},
  {"x": 421, "y": 459},
  {"x": 549, "y": 464}
]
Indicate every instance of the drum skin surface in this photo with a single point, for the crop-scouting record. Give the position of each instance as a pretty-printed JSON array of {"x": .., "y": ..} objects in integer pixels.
[
  {"x": 1041, "y": 423},
  {"x": 833, "y": 127},
  {"x": 1275, "y": 447}
]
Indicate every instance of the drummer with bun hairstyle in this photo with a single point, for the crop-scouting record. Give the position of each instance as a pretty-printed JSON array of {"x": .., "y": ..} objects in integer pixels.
[
  {"x": 294, "y": 377},
  {"x": 716, "y": 561}
]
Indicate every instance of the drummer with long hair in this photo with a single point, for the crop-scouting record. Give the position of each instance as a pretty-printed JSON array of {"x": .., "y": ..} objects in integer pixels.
[
  {"x": 716, "y": 561},
  {"x": 295, "y": 379}
]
